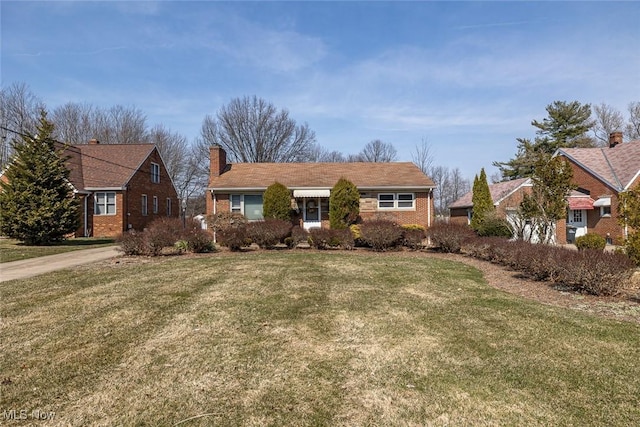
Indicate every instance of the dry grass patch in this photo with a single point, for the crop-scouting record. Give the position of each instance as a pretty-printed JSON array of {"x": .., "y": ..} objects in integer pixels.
[{"x": 306, "y": 339}]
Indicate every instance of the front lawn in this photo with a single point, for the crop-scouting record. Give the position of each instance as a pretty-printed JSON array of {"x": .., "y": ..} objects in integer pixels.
[
  {"x": 13, "y": 250},
  {"x": 306, "y": 338}
]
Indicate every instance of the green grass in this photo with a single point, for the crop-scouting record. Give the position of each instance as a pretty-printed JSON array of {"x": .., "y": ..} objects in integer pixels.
[
  {"x": 13, "y": 250},
  {"x": 305, "y": 338}
]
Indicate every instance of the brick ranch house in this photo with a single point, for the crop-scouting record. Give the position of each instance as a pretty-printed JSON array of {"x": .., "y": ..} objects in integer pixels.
[
  {"x": 600, "y": 175},
  {"x": 397, "y": 191},
  {"x": 120, "y": 187}
]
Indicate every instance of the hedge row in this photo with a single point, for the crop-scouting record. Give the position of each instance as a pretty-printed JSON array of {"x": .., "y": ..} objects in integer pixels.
[
  {"x": 589, "y": 270},
  {"x": 166, "y": 233}
]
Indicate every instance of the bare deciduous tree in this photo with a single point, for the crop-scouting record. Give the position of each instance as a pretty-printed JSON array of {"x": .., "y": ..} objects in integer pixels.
[
  {"x": 422, "y": 156},
  {"x": 606, "y": 120},
  {"x": 378, "y": 151},
  {"x": 321, "y": 154},
  {"x": 253, "y": 130},
  {"x": 632, "y": 130},
  {"x": 19, "y": 112},
  {"x": 74, "y": 123}
]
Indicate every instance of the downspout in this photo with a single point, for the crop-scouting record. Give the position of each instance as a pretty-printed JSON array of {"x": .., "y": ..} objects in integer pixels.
[
  {"x": 86, "y": 215},
  {"x": 429, "y": 198},
  {"x": 215, "y": 210}
]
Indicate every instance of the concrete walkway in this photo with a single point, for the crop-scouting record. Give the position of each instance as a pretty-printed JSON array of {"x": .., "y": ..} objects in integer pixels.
[{"x": 46, "y": 264}]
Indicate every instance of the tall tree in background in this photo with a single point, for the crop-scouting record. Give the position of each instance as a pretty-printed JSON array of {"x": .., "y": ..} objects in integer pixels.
[
  {"x": 606, "y": 120},
  {"x": 481, "y": 199},
  {"x": 252, "y": 130},
  {"x": 632, "y": 129},
  {"x": 547, "y": 203},
  {"x": 37, "y": 205},
  {"x": 19, "y": 112},
  {"x": 565, "y": 126},
  {"x": 378, "y": 151},
  {"x": 422, "y": 157}
]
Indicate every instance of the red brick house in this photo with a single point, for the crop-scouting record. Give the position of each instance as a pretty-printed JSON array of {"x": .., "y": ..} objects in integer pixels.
[
  {"x": 506, "y": 197},
  {"x": 397, "y": 191},
  {"x": 120, "y": 187},
  {"x": 601, "y": 174}
]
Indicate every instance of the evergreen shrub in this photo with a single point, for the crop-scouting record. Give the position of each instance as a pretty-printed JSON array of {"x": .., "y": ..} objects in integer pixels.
[
  {"x": 591, "y": 241},
  {"x": 276, "y": 202}
]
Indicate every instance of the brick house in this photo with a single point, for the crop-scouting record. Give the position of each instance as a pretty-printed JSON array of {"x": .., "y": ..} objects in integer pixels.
[
  {"x": 120, "y": 187},
  {"x": 601, "y": 174},
  {"x": 506, "y": 197},
  {"x": 397, "y": 191}
]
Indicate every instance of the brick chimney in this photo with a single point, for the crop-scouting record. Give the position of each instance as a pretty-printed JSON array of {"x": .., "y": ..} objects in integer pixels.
[
  {"x": 94, "y": 142},
  {"x": 217, "y": 159},
  {"x": 615, "y": 138}
]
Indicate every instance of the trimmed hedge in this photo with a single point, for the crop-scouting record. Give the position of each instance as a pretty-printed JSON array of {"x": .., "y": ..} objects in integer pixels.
[
  {"x": 449, "y": 237},
  {"x": 381, "y": 234},
  {"x": 591, "y": 241},
  {"x": 324, "y": 238},
  {"x": 269, "y": 232}
]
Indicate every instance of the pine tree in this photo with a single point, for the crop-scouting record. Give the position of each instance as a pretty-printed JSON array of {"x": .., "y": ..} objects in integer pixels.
[
  {"x": 344, "y": 204},
  {"x": 481, "y": 199},
  {"x": 277, "y": 202},
  {"x": 37, "y": 205}
]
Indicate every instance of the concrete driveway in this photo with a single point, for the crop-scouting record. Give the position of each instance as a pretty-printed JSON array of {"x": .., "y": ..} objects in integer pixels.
[{"x": 46, "y": 264}]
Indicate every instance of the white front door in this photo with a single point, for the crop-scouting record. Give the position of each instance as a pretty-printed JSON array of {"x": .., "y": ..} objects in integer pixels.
[
  {"x": 311, "y": 213},
  {"x": 578, "y": 219}
]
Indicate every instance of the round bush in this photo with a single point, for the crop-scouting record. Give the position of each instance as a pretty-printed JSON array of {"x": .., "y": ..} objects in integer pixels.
[{"x": 590, "y": 241}]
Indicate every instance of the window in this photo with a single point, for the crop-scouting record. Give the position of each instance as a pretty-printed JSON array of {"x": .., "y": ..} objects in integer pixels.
[
  {"x": 155, "y": 204},
  {"x": 144, "y": 205},
  {"x": 155, "y": 173},
  {"x": 168, "y": 206},
  {"x": 250, "y": 205},
  {"x": 577, "y": 216},
  {"x": 605, "y": 211},
  {"x": 105, "y": 204},
  {"x": 236, "y": 203},
  {"x": 396, "y": 201}
]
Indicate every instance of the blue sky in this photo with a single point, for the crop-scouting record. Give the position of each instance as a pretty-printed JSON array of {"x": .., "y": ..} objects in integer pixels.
[{"x": 466, "y": 76}]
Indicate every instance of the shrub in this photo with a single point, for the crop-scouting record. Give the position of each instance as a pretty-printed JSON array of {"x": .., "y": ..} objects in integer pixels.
[
  {"x": 223, "y": 220},
  {"x": 591, "y": 241},
  {"x": 162, "y": 233},
  {"x": 357, "y": 235},
  {"x": 132, "y": 243},
  {"x": 598, "y": 273},
  {"x": 324, "y": 238},
  {"x": 413, "y": 238},
  {"x": 298, "y": 235},
  {"x": 495, "y": 226},
  {"x": 276, "y": 202},
  {"x": 233, "y": 238},
  {"x": 381, "y": 234},
  {"x": 269, "y": 232},
  {"x": 199, "y": 241},
  {"x": 344, "y": 204},
  {"x": 632, "y": 247},
  {"x": 449, "y": 237}
]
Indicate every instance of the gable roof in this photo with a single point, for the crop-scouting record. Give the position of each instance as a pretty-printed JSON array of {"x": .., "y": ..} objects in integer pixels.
[
  {"x": 364, "y": 175},
  {"x": 618, "y": 167},
  {"x": 499, "y": 191},
  {"x": 105, "y": 166}
]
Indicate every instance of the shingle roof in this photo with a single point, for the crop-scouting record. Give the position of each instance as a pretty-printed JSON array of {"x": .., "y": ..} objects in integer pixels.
[
  {"x": 321, "y": 175},
  {"x": 616, "y": 167},
  {"x": 105, "y": 165},
  {"x": 498, "y": 192}
]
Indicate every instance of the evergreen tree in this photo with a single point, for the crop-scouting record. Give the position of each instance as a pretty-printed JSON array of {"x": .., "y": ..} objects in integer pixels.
[
  {"x": 481, "y": 199},
  {"x": 37, "y": 205},
  {"x": 344, "y": 204},
  {"x": 566, "y": 126},
  {"x": 629, "y": 217},
  {"x": 277, "y": 202}
]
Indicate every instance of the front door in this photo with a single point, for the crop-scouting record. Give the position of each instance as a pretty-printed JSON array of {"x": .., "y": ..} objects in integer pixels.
[
  {"x": 311, "y": 213},
  {"x": 578, "y": 219}
]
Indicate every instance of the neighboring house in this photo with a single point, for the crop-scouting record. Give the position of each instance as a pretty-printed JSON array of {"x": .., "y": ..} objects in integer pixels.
[
  {"x": 506, "y": 197},
  {"x": 601, "y": 174},
  {"x": 120, "y": 187},
  {"x": 397, "y": 191}
]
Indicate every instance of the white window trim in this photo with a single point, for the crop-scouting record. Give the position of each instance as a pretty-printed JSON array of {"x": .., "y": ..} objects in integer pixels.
[
  {"x": 155, "y": 204},
  {"x": 396, "y": 202},
  {"x": 145, "y": 205},
  {"x": 155, "y": 177},
  {"x": 95, "y": 203}
]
